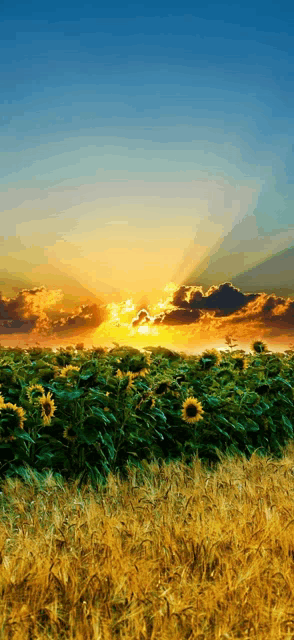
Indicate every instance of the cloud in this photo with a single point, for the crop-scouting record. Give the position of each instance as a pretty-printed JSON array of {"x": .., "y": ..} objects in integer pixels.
[
  {"x": 32, "y": 311},
  {"x": 188, "y": 305},
  {"x": 86, "y": 317},
  {"x": 187, "y": 313},
  {"x": 27, "y": 311}
]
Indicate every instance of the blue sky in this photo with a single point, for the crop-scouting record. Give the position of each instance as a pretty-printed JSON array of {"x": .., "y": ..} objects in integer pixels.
[{"x": 134, "y": 133}]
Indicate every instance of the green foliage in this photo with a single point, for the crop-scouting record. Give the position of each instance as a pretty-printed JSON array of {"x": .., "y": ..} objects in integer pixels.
[{"x": 125, "y": 406}]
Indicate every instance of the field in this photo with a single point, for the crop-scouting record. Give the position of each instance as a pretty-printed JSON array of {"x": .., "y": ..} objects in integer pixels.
[{"x": 134, "y": 503}]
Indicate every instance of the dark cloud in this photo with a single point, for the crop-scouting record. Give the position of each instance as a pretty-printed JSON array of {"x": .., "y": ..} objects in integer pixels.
[
  {"x": 27, "y": 311},
  {"x": 271, "y": 310},
  {"x": 188, "y": 305},
  {"x": 36, "y": 311},
  {"x": 31, "y": 312},
  {"x": 86, "y": 317},
  {"x": 142, "y": 318},
  {"x": 223, "y": 299}
]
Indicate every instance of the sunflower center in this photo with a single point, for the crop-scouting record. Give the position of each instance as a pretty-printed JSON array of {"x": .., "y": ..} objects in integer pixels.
[
  {"x": 47, "y": 408},
  {"x": 191, "y": 410}
]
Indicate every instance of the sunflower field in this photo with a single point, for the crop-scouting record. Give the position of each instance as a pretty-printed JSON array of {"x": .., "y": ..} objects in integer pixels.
[{"x": 85, "y": 413}]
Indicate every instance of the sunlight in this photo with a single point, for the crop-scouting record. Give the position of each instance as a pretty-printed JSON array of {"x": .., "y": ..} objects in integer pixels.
[{"x": 145, "y": 330}]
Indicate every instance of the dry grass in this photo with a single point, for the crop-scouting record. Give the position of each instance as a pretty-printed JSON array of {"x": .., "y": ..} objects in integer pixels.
[{"x": 177, "y": 552}]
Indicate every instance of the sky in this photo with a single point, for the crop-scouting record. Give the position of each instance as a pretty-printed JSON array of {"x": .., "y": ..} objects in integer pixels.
[{"x": 146, "y": 167}]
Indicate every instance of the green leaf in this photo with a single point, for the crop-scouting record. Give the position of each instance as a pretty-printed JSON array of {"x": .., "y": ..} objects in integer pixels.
[
  {"x": 101, "y": 381},
  {"x": 23, "y": 435},
  {"x": 99, "y": 413},
  {"x": 45, "y": 456},
  {"x": 95, "y": 394},
  {"x": 257, "y": 411},
  {"x": 284, "y": 399},
  {"x": 136, "y": 438},
  {"x": 237, "y": 425},
  {"x": 23, "y": 457},
  {"x": 88, "y": 434},
  {"x": 224, "y": 433},
  {"x": 251, "y": 425},
  {"x": 250, "y": 398},
  {"x": 250, "y": 448},
  {"x": 157, "y": 412},
  {"x": 107, "y": 439},
  {"x": 212, "y": 401},
  {"x": 288, "y": 425},
  {"x": 223, "y": 420},
  {"x": 284, "y": 381},
  {"x": 159, "y": 434},
  {"x": 68, "y": 395},
  {"x": 264, "y": 405}
]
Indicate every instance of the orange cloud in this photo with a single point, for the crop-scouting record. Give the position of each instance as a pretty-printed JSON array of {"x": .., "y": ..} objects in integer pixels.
[
  {"x": 221, "y": 308},
  {"x": 186, "y": 315},
  {"x": 86, "y": 317},
  {"x": 27, "y": 311}
]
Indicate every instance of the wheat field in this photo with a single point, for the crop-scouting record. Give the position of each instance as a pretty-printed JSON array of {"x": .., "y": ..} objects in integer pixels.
[{"x": 174, "y": 551}]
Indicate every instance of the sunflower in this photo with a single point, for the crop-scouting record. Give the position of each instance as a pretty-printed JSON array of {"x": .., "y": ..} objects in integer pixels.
[
  {"x": 141, "y": 372},
  {"x": 66, "y": 435},
  {"x": 259, "y": 346},
  {"x": 162, "y": 387},
  {"x": 17, "y": 412},
  {"x": 192, "y": 410},
  {"x": 131, "y": 380},
  {"x": 65, "y": 370},
  {"x": 147, "y": 397},
  {"x": 213, "y": 356},
  {"x": 33, "y": 388},
  {"x": 48, "y": 407},
  {"x": 239, "y": 361}
]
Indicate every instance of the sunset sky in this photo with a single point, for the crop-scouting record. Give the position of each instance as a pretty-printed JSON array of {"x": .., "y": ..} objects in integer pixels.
[{"x": 146, "y": 152}]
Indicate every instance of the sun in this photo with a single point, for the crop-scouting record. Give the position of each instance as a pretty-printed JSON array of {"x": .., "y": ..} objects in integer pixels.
[{"x": 144, "y": 330}]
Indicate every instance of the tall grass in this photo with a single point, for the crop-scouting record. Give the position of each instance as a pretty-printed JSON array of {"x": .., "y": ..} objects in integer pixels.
[{"x": 172, "y": 552}]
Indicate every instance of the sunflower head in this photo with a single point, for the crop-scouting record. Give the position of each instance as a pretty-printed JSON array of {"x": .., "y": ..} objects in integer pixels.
[
  {"x": 68, "y": 433},
  {"x": 210, "y": 358},
  {"x": 259, "y": 346},
  {"x": 98, "y": 351},
  {"x": 141, "y": 372},
  {"x": 12, "y": 416},
  {"x": 139, "y": 364},
  {"x": 48, "y": 408},
  {"x": 131, "y": 380},
  {"x": 240, "y": 362},
  {"x": 67, "y": 370},
  {"x": 33, "y": 392},
  {"x": 162, "y": 388},
  {"x": 147, "y": 358},
  {"x": 192, "y": 410}
]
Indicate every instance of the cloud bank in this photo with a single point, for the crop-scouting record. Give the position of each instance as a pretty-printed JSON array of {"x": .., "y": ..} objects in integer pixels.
[{"x": 186, "y": 312}]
